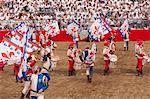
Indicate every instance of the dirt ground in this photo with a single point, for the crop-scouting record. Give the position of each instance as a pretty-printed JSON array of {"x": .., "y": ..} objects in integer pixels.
[{"x": 122, "y": 83}]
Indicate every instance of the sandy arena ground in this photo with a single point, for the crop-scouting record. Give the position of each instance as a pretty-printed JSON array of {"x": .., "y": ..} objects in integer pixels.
[{"x": 120, "y": 84}]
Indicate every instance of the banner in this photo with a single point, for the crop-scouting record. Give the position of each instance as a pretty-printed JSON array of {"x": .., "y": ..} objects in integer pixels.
[
  {"x": 22, "y": 28},
  {"x": 51, "y": 28},
  {"x": 24, "y": 68},
  {"x": 99, "y": 28},
  {"x": 19, "y": 40},
  {"x": 10, "y": 52},
  {"x": 71, "y": 28},
  {"x": 124, "y": 28}
]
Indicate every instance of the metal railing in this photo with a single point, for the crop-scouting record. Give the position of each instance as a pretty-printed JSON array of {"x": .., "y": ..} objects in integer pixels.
[{"x": 134, "y": 23}]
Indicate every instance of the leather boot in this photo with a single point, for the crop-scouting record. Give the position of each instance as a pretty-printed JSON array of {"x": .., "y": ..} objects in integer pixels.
[{"x": 22, "y": 96}]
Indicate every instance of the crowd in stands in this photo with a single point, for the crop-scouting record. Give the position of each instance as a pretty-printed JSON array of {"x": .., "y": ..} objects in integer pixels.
[{"x": 83, "y": 12}]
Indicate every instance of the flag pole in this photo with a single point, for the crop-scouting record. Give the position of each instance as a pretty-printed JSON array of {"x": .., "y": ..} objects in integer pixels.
[{"x": 24, "y": 48}]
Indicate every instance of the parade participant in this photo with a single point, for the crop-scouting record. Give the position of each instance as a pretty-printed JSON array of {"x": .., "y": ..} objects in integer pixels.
[
  {"x": 75, "y": 36},
  {"x": 77, "y": 61},
  {"x": 51, "y": 46},
  {"x": 54, "y": 58},
  {"x": 90, "y": 64},
  {"x": 89, "y": 61},
  {"x": 2, "y": 64},
  {"x": 126, "y": 41},
  {"x": 39, "y": 84},
  {"x": 139, "y": 52},
  {"x": 26, "y": 89},
  {"x": 106, "y": 52},
  {"x": 71, "y": 56}
]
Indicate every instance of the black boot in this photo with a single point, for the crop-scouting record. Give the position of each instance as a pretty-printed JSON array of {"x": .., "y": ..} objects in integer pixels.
[
  {"x": 69, "y": 73},
  {"x": 105, "y": 72},
  {"x": 22, "y": 96},
  {"x": 137, "y": 68},
  {"x": 88, "y": 78},
  {"x": 16, "y": 79},
  {"x": 141, "y": 73},
  {"x": 28, "y": 95},
  {"x": 138, "y": 73},
  {"x": 74, "y": 72},
  {"x": 124, "y": 48}
]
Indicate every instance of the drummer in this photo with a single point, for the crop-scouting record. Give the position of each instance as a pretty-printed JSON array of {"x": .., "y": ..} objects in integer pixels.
[
  {"x": 139, "y": 51},
  {"x": 106, "y": 53}
]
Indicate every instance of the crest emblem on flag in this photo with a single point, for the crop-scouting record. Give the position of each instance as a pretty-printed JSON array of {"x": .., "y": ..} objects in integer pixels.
[
  {"x": 52, "y": 27},
  {"x": 10, "y": 52},
  {"x": 19, "y": 40},
  {"x": 99, "y": 28},
  {"x": 124, "y": 28},
  {"x": 71, "y": 28}
]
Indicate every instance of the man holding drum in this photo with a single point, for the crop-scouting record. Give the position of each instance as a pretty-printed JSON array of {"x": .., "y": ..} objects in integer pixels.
[
  {"x": 139, "y": 52},
  {"x": 71, "y": 56},
  {"x": 88, "y": 58},
  {"x": 106, "y": 52}
]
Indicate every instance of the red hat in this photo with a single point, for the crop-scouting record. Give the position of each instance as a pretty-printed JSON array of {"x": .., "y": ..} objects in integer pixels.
[
  {"x": 106, "y": 43},
  {"x": 48, "y": 43},
  {"x": 113, "y": 31},
  {"x": 44, "y": 45},
  {"x": 92, "y": 53},
  {"x": 140, "y": 42},
  {"x": 71, "y": 44},
  {"x": 87, "y": 48}
]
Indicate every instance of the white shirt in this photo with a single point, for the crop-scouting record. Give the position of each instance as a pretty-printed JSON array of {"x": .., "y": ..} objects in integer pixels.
[
  {"x": 106, "y": 51},
  {"x": 34, "y": 82},
  {"x": 70, "y": 53}
]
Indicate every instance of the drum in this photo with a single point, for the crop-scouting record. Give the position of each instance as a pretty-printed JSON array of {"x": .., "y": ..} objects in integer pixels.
[
  {"x": 54, "y": 61},
  {"x": 146, "y": 59},
  {"x": 77, "y": 63},
  {"x": 113, "y": 60}
]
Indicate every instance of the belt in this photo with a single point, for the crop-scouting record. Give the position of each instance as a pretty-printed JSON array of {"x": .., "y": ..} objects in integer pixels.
[
  {"x": 34, "y": 91},
  {"x": 45, "y": 68}
]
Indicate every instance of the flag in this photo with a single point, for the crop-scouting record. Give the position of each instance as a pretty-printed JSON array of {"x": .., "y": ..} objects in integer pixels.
[
  {"x": 52, "y": 28},
  {"x": 124, "y": 28},
  {"x": 10, "y": 52},
  {"x": 99, "y": 28},
  {"x": 24, "y": 68},
  {"x": 22, "y": 28},
  {"x": 83, "y": 34},
  {"x": 71, "y": 27},
  {"x": 19, "y": 40}
]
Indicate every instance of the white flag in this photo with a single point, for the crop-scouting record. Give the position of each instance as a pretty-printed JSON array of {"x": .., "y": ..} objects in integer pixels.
[
  {"x": 52, "y": 28},
  {"x": 124, "y": 28}
]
